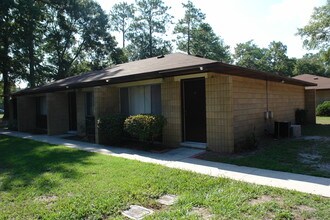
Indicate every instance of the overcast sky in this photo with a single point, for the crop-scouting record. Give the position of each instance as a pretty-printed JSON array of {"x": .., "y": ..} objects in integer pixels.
[{"x": 238, "y": 21}]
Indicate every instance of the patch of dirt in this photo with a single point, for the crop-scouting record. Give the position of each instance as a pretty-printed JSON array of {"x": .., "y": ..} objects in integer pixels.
[
  {"x": 264, "y": 199},
  {"x": 309, "y": 158},
  {"x": 157, "y": 206},
  {"x": 303, "y": 209},
  {"x": 202, "y": 212},
  {"x": 324, "y": 167},
  {"x": 315, "y": 138},
  {"x": 47, "y": 199}
]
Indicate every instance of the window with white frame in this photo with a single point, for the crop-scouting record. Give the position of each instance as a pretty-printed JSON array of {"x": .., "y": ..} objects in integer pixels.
[{"x": 141, "y": 100}]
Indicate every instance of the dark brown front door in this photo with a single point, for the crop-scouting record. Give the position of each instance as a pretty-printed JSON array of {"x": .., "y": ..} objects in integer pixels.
[
  {"x": 72, "y": 111},
  {"x": 194, "y": 110}
]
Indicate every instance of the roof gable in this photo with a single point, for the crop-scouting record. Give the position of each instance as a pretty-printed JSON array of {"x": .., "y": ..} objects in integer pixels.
[{"x": 322, "y": 82}]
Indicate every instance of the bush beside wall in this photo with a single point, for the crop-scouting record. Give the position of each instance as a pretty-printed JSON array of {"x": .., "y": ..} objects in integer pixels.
[
  {"x": 111, "y": 129},
  {"x": 323, "y": 109},
  {"x": 145, "y": 127}
]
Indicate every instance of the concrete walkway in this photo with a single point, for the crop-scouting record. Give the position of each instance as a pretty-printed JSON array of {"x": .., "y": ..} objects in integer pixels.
[{"x": 181, "y": 158}]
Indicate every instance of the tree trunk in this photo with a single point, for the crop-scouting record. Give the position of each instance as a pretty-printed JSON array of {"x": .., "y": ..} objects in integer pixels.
[
  {"x": 123, "y": 39},
  {"x": 32, "y": 77},
  {"x": 5, "y": 76},
  {"x": 150, "y": 40},
  {"x": 188, "y": 49},
  {"x": 30, "y": 29},
  {"x": 123, "y": 31}
]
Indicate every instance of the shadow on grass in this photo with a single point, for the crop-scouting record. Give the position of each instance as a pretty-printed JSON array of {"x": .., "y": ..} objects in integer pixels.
[
  {"x": 25, "y": 163},
  {"x": 316, "y": 130}
]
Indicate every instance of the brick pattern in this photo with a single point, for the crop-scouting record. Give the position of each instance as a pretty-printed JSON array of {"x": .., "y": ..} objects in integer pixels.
[
  {"x": 26, "y": 113},
  {"x": 171, "y": 109},
  {"x": 322, "y": 95},
  {"x": 219, "y": 114},
  {"x": 58, "y": 113},
  {"x": 284, "y": 99},
  {"x": 250, "y": 103},
  {"x": 310, "y": 99},
  {"x": 106, "y": 101}
]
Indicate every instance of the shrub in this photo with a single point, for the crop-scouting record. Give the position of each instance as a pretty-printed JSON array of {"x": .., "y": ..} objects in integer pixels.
[
  {"x": 145, "y": 127},
  {"x": 300, "y": 116},
  {"x": 323, "y": 109},
  {"x": 251, "y": 141},
  {"x": 111, "y": 129}
]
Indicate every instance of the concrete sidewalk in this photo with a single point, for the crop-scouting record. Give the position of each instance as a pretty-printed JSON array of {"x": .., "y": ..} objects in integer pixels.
[{"x": 181, "y": 158}]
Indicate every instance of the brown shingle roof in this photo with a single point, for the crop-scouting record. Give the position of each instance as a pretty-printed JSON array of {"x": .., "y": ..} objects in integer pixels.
[
  {"x": 156, "y": 67},
  {"x": 322, "y": 82}
]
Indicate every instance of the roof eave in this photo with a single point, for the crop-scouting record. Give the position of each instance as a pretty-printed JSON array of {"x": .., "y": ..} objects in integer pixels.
[{"x": 216, "y": 67}]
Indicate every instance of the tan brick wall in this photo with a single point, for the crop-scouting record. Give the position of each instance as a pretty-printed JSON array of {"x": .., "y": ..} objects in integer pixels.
[
  {"x": 249, "y": 98},
  {"x": 219, "y": 113},
  {"x": 171, "y": 109},
  {"x": 26, "y": 113},
  {"x": 58, "y": 113},
  {"x": 322, "y": 95},
  {"x": 310, "y": 97},
  {"x": 106, "y": 101},
  {"x": 284, "y": 99},
  {"x": 250, "y": 103}
]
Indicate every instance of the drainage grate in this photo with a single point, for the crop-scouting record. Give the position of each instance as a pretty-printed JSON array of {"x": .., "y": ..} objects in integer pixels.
[{"x": 137, "y": 212}]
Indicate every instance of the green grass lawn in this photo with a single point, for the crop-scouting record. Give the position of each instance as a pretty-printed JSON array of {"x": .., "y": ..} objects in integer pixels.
[
  {"x": 322, "y": 128},
  {"x": 42, "y": 181},
  {"x": 323, "y": 120},
  {"x": 310, "y": 157}
]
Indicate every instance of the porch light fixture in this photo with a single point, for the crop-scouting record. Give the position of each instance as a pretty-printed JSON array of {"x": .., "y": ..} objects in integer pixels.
[
  {"x": 67, "y": 87},
  {"x": 201, "y": 68},
  {"x": 107, "y": 80}
]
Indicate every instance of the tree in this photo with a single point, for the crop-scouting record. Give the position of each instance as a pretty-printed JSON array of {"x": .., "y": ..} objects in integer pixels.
[
  {"x": 6, "y": 41},
  {"x": 192, "y": 20},
  {"x": 310, "y": 64},
  {"x": 147, "y": 29},
  {"x": 316, "y": 33},
  {"x": 121, "y": 16},
  {"x": 273, "y": 59},
  {"x": 29, "y": 20},
  {"x": 249, "y": 55},
  {"x": 207, "y": 44},
  {"x": 277, "y": 60},
  {"x": 78, "y": 30}
]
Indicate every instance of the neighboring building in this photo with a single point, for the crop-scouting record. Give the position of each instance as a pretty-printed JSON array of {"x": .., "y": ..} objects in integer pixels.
[
  {"x": 322, "y": 88},
  {"x": 206, "y": 103}
]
